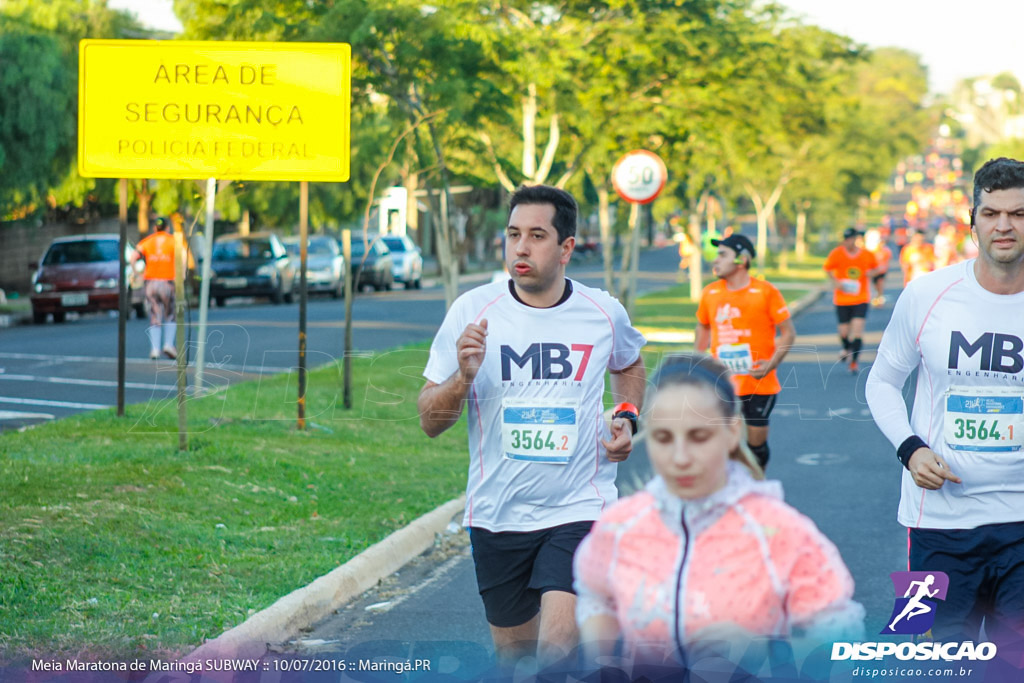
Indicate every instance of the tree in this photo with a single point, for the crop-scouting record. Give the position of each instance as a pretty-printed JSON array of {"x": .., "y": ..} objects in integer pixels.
[
  {"x": 36, "y": 122},
  {"x": 38, "y": 96}
]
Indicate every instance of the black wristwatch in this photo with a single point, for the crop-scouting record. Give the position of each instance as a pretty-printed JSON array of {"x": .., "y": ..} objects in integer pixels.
[{"x": 628, "y": 411}]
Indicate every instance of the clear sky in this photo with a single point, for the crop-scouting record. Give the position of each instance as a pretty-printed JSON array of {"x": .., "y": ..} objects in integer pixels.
[
  {"x": 956, "y": 39},
  {"x": 158, "y": 14}
]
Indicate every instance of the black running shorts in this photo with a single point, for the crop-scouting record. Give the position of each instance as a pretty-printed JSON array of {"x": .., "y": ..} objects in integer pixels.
[
  {"x": 845, "y": 314},
  {"x": 514, "y": 568}
]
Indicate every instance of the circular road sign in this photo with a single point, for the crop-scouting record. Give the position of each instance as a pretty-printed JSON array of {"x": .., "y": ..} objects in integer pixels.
[{"x": 639, "y": 176}]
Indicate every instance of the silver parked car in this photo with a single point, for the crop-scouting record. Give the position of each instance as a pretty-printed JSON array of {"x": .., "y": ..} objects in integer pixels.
[
  {"x": 325, "y": 264},
  {"x": 406, "y": 260}
]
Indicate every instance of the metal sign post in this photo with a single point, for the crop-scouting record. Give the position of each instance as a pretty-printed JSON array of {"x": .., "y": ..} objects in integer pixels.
[
  {"x": 303, "y": 295},
  {"x": 204, "y": 285},
  {"x": 638, "y": 177},
  {"x": 122, "y": 290}
]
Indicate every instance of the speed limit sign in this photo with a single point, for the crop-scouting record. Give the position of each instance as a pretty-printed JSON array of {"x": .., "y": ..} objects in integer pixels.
[{"x": 639, "y": 176}]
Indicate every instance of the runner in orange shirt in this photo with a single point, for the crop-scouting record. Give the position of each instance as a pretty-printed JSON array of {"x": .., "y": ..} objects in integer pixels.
[
  {"x": 738, "y": 317},
  {"x": 849, "y": 267},
  {"x": 158, "y": 252},
  {"x": 874, "y": 243},
  {"x": 917, "y": 258}
]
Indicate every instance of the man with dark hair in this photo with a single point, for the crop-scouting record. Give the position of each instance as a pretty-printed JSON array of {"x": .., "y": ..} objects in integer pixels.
[
  {"x": 529, "y": 355},
  {"x": 565, "y": 206},
  {"x": 157, "y": 250},
  {"x": 738, "y": 318},
  {"x": 962, "y": 448}
]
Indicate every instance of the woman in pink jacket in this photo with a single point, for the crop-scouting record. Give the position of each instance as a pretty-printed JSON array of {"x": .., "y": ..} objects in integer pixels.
[{"x": 707, "y": 548}]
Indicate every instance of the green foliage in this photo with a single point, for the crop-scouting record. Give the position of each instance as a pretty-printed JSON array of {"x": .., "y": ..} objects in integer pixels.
[
  {"x": 38, "y": 98},
  {"x": 729, "y": 92},
  {"x": 36, "y": 123}
]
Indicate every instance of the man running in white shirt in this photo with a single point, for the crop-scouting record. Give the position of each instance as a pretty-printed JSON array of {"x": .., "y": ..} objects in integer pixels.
[
  {"x": 962, "y": 499},
  {"x": 528, "y": 355}
]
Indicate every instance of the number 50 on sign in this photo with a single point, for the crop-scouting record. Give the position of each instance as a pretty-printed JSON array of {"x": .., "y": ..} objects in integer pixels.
[{"x": 639, "y": 176}]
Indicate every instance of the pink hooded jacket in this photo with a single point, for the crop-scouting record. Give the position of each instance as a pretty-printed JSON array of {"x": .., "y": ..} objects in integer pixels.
[{"x": 666, "y": 568}]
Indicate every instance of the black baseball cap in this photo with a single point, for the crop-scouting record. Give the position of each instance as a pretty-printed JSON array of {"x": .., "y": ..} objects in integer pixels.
[
  {"x": 851, "y": 232},
  {"x": 738, "y": 243}
]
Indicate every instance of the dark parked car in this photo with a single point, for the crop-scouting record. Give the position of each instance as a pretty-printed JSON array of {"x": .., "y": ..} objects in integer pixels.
[
  {"x": 251, "y": 265},
  {"x": 407, "y": 266},
  {"x": 79, "y": 273},
  {"x": 325, "y": 266},
  {"x": 372, "y": 266}
]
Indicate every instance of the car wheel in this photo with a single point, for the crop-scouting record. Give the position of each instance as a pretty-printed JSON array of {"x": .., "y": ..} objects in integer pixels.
[
  {"x": 59, "y": 316},
  {"x": 289, "y": 297},
  {"x": 418, "y": 284},
  {"x": 277, "y": 297},
  {"x": 38, "y": 317},
  {"x": 221, "y": 301}
]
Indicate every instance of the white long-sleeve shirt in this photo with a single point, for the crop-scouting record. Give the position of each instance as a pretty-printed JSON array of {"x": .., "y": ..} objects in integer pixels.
[{"x": 967, "y": 344}]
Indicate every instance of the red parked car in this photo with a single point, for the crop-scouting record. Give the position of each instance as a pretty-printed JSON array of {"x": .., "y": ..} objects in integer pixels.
[{"x": 79, "y": 273}]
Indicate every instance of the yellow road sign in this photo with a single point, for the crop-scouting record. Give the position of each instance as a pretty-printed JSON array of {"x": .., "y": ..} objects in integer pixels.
[{"x": 231, "y": 110}]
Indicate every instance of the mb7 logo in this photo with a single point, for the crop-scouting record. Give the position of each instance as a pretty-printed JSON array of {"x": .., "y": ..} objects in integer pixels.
[
  {"x": 547, "y": 360},
  {"x": 999, "y": 352}
]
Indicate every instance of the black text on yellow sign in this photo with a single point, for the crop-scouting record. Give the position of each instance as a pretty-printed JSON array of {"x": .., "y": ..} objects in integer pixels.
[{"x": 241, "y": 111}]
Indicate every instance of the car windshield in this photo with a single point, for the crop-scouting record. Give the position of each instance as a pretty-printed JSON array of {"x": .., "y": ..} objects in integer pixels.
[
  {"x": 85, "y": 251},
  {"x": 317, "y": 247},
  {"x": 395, "y": 243},
  {"x": 237, "y": 249},
  {"x": 358, "y": 247}
]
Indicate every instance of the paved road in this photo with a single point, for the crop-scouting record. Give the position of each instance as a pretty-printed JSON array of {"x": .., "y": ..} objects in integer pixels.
[
  {"x": 51, "y": 371},
  {"x": 834, "y": 464}
]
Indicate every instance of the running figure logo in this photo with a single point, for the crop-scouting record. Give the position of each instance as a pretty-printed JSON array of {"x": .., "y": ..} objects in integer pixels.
[{"x": 914, "y": 613}]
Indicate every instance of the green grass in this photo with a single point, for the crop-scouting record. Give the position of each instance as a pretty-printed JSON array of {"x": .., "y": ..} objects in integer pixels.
[
  {"x": 16, "y": 305},
  {"x": 673, "y": 311},
  {"x": 115, "y": 545}
]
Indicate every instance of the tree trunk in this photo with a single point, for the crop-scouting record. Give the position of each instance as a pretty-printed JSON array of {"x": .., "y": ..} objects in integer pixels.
[
  {"x": 696, "y": 257},
  {"x": 629, "y": 259},
  {"x": 530, "y": 132},
  {"x": 446, "y": 248},
  {"x": 144, "y": 200},
  {"x": 605, "y": 225},
  {"x": 801, "y": 235}
]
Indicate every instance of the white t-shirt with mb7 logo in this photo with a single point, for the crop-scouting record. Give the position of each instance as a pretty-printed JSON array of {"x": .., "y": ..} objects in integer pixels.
[
  {"x": 535, "y": 408},
  {"x": 968, "y": 344}
]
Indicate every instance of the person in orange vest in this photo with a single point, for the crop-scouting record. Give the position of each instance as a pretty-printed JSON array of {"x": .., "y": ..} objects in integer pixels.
[
  {"x": 848, "y": 267},
  {"x": 917, "y": 258},
  {"x": 874, "y": 243},
  {"x": 157, "y": 250},
  {"x": 746, "y": 325}
]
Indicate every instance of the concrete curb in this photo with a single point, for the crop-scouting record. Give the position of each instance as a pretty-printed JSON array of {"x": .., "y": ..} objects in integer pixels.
[
  {"x": 15, "y": 319},
  {"x": 307, "y": 605},
  {"x": 806, "y": 301}
]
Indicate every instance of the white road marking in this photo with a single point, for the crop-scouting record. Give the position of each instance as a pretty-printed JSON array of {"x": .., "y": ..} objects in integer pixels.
[
  {"x": 15, "y": 415},
  {"x": 52, "y": 359},
  {"x": 86, "y": 382},
  {"x": 52, "y": 404}
]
